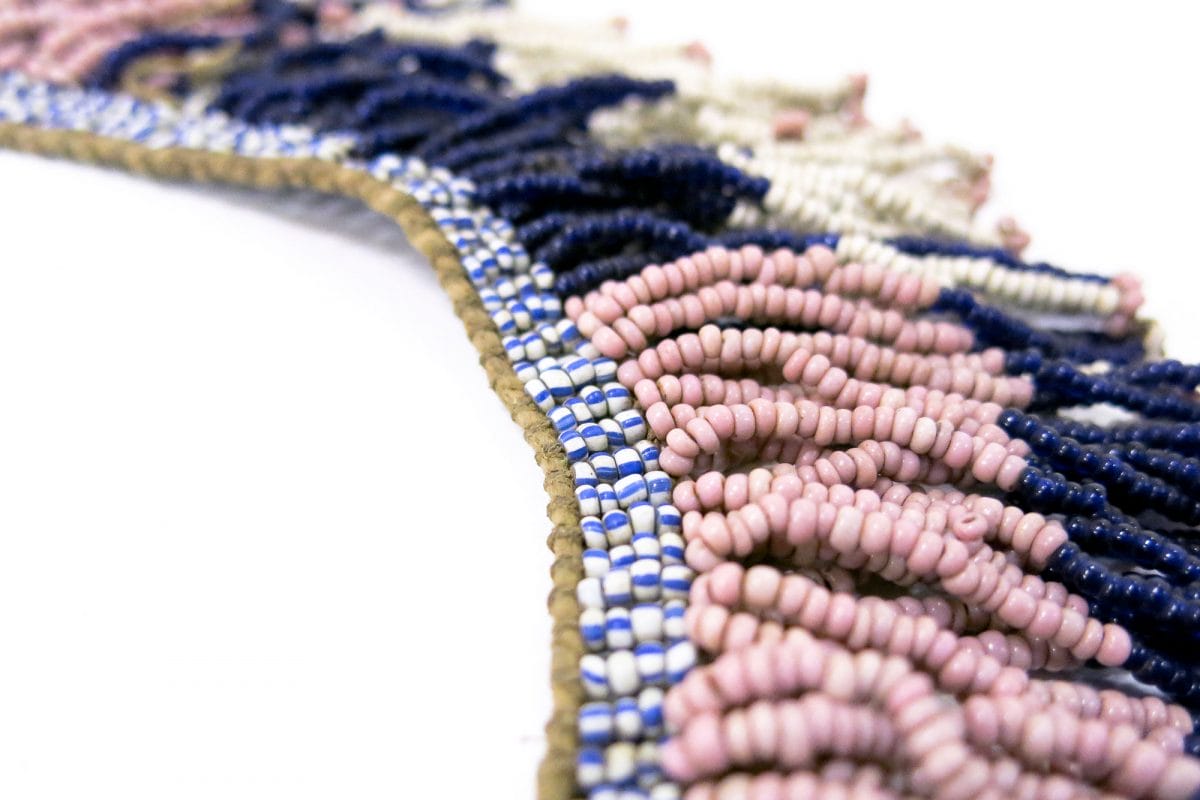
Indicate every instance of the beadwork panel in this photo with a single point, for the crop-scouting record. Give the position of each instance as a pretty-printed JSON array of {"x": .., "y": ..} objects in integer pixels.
[{"x": 824, "y": 519}]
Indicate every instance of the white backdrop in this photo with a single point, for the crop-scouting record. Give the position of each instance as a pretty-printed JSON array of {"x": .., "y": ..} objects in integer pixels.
[{"x": 238, "y": 556}]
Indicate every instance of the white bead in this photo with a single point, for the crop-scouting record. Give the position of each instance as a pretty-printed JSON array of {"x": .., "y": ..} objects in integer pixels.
[
  {"x": 649, "y": 764},
  {"x": 978, "y": 274},
  {"x": 591, "y": 628},
  {"x": 605, "y": 466},
  {"x": 574, "y": 444},
  {"x": 583, "y": 474},
  {"x": 533, "y": 304},
  {"x": 1057, "y": 294},
  {"x": 1107, "y": 300},
  {"x": 646, "y": 580},
  {"x": 616, "y": 525},
  {"x": 525, "y": 370},
  {"x": 589, "y": 769},
  {"x": 659, "y": 484},
  {"x": 622, "y": 556},
  {"x": 650, "y": 702},
  {"x": 672, "y": 548},
  {"x": 632, "y": 425},
  {"x": 523, "y": 316},
  {"x": 618, "y": 633},
  {"x": 1021, "y": 287},
  {"x": 594, "y": 398},
  {"x": 668, "y": 519},
  {"x": 676, "y": 581},
  {"x": 631, "y": 489},
  {"x": 504, "y": 257},
  {"x": 513, "y": 348},
  {"x": 580, "y": 371},
  {"x": 627, "y": 722},
  {"x": 1041, "y": 293},
  {"x": 594, "y": 437},
  {"x": 642, "y": 517},
  {"x": 595, "y": 563},
  {"x": 613, "y": 432},
  {"x": 590, "y": 593},
  {"x": 618, "y": 397},
  {"x": 674, "y": 622},
  {"x": 606, "y": 370},
  {"x": 617, "y": 588},
  {"x": 623, "y": 678},
  {"x": 649, "y": 453},
  {"x": 594, "y": 535},
  {"x": 549, "y": 335},
  {"x": 620, "y": 762},
  {"x": 535, "y": 346},
  {"x": 646, "y": 546},
  {"x": 995, "y": 281},
  {"x": 608, "y": 498},
  {"x": 588, "y": 499},
  {"x": 491, "y": 301},
  {"x": 520, "y": 315},
  {"x": 561, "y": 418},
  {"x": 651, "y": 660},
  {"x": 680, "y": 658},
  {"x": 595, "y": 722},
  {"x": 629, "y": 461},
  {"x": 540, "y": 395},
  {"x": 647, "y": 622},
  {"x": 665, "y": 791},
  {"x": 593, "y": 670},
  {"x": 559, "y": 384},
  {"x": 569, "y": 335},
  {"x": 542, "y": 275},
  {"x": 587, "y": 350}
]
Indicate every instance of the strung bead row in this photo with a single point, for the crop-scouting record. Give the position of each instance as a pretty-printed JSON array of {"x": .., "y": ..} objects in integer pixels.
[
  {"x": 943, "y": 434},
  {"x": 713, "y": 400},
  {"x": 817, "y": 268},
  {"x": 995, "y": 273}
]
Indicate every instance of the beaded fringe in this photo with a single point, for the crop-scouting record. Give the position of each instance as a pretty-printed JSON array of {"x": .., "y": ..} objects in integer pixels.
[{"x": 724, "y": 206}]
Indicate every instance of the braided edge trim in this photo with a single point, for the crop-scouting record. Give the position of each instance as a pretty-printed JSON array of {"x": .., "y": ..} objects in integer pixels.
[{"x": 556, "y": 772}]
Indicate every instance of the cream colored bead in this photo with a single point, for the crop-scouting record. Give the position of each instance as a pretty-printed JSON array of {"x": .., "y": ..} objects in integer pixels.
[
  {"x": 1108, "y": 300},
  {"x": 1074, "y": 296}
]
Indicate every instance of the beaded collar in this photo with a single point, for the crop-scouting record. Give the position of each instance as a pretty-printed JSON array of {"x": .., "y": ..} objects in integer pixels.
[{"x": 826, "y": 520}]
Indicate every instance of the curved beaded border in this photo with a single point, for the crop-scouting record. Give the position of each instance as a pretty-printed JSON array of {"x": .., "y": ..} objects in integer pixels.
[
  {"x": 614, "y": 470},
  {"x": 516, "y": 296}
]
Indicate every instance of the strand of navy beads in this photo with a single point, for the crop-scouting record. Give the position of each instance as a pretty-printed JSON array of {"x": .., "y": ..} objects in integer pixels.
[
  {"x": 344, "y": 85},
  {"x": 575, "y": 277},
  {"x": 1161, "y": 607},
  {"x": 465, "y": 117},
  {"x": 462, "y": 119}
]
